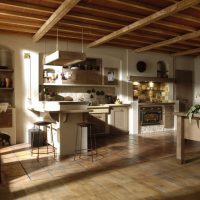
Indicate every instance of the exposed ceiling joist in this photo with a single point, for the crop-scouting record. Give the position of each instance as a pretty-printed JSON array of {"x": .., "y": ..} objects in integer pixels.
[
  {"x": 170, "y": 41},
  {"x": 62, "y": 10},
  {"x": 188, "y": 52},
  {"x": 132, "y": 17},
  {"x": 154, "y": 9},
  {"x": 147, "y": 20}
]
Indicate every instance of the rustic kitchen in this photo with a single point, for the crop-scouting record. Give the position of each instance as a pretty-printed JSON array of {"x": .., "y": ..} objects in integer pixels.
[{"x": 94, "y": 89}]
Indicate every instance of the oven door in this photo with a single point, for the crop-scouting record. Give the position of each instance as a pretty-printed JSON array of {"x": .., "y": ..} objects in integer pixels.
[{"x": 150, "y": 116}]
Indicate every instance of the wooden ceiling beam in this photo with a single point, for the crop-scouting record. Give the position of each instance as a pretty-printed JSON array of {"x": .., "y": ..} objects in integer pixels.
[
  {"x": 96, "y": 19},
  {"x": 170, "y": 41},
  {"x": 22, "y": 16},
  {"x": 116, "y": 24},
  {"x": 62, "y": 10},
  {"x": 193, "y": 7},
  {"x": 91, "y": 28},
  {"x": 89, "y": 8},
  {"x": 132, "y": 17},
  {"x": 62, "y": 30},
  {"x": 188, "y": 52},
  {"x": 147, "y": 20},
  {"x": 25, "y": 6},
  {"x": 152, "y": 9}
]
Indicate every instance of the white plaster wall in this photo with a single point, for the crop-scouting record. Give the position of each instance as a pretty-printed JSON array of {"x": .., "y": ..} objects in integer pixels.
[
  {"x": 151, "y": 60},
  {"x": 121, "y": 58}
]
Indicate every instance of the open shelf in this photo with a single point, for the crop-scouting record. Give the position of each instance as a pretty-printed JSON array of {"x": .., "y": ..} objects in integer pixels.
[
  {"x": 75, "y": 85},
  {"x": 7, "y": 89},
  {"x": 153, "y": 79},
  {"x": 6, "y": 70}
]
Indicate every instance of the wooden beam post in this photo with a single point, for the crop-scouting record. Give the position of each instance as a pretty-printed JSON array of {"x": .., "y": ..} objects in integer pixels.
[
  {"x": 62, "y": 10},
  {"x": 147, "y": 20}
]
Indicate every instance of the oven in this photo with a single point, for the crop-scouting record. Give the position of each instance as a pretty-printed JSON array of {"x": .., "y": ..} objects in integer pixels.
[{"x": 150, "y": 115}]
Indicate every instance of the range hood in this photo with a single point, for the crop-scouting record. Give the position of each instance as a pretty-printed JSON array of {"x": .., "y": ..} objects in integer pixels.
[{"x": 64, "y": 58}]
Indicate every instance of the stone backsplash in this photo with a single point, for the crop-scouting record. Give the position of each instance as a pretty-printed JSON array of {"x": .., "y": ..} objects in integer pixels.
[{"x": 95, "y": 95}]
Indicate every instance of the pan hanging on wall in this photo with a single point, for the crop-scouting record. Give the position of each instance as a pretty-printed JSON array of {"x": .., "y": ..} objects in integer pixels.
[{"x": 141, "y": 66}]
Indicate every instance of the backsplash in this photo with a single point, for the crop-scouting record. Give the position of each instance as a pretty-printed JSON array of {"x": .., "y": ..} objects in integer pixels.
[{"x": 94, "y": 95}]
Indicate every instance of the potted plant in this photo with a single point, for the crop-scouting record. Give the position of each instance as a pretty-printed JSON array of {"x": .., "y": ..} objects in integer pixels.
[{"x": 193, "y": 110}]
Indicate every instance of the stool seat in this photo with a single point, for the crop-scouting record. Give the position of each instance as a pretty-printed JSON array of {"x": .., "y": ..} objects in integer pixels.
[{"x": 42, "y": 123}]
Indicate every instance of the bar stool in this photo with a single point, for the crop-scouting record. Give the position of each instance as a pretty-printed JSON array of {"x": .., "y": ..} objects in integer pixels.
[
  {"x": 44, "y": 124},
  {"x": 91, "y": 140}
]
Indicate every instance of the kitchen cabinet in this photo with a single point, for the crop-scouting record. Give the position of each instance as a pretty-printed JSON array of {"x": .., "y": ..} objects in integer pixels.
[
  {"x": 119, "y": 120},
  {"x": 99, "y": 116},
  {"x": 100, "y": 121}
]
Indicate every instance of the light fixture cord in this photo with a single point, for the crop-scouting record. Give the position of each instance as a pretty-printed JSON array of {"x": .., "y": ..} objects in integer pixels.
[
  {"x": 82, "y": 40},
  {"x": 57, "y": 41},
  {"x": 45, "y": 53}
]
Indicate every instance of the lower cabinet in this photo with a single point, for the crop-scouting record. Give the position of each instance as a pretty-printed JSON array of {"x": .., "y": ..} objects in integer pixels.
[
  {"x": 119, "y": 120},
  {"x": 100, "y": 121}
]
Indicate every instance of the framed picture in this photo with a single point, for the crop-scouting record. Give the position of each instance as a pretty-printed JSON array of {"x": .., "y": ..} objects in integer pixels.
[{"x": 111, "y": 76}]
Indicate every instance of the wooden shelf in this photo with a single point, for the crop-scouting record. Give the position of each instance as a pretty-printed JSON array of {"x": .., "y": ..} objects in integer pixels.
[
  {"x": 153, "y": 79},
  {"x": 6, "y": 70},
  {"x": 6, "y": 88},
  {"x": 79, "y": 85}
]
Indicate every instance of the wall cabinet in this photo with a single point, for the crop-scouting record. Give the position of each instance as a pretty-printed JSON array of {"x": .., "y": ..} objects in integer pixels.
[{"x": 119, "y": 120}]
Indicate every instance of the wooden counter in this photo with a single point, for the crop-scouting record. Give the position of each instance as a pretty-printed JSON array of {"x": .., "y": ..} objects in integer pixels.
[{"x": 186, "y": 130}]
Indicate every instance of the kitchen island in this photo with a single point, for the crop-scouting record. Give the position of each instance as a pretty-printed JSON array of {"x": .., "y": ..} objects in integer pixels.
[
  {"x": 186, "y": 130},
  {"x": 64, "y": 117}
]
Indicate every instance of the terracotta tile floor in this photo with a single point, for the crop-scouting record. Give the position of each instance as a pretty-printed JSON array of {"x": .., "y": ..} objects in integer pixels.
[{"x": 127, "y": 167}]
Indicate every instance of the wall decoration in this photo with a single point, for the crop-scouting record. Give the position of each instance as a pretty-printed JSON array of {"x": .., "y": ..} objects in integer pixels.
[
  {"x": 111, "y": 76},
  {"x": 141, "y": 66}
]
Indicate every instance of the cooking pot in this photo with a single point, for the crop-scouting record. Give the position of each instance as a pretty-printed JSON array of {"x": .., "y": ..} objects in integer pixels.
[{"x": 5, "y": 57}]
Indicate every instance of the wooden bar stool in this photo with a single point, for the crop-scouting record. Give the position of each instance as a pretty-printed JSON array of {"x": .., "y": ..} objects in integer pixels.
[
  {"x": 91, "y": 140},
  {"x": 40, "y": 124}
]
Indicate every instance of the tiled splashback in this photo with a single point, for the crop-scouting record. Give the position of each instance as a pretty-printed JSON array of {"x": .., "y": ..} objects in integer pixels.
[
  {"x": 95, "y": 95},
  {"x": 151, "y": 92}
]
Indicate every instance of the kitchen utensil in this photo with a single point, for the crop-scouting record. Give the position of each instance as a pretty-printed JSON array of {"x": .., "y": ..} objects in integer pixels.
[
  {"x": 102, "y": 93},
  {"x": 88, "y": 91},
  {"x": 97, "y": 93}
]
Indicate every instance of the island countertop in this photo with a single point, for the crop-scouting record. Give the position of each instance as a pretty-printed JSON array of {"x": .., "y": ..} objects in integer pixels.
[{"x": 55, "y": 106}]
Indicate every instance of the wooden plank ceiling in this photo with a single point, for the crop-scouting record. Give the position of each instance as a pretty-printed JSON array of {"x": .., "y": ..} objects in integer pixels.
[{"x": 169, "y": 26}]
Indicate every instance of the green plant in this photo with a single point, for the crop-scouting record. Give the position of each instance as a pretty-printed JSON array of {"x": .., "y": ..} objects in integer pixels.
[{"x": 193, "y": 110}]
